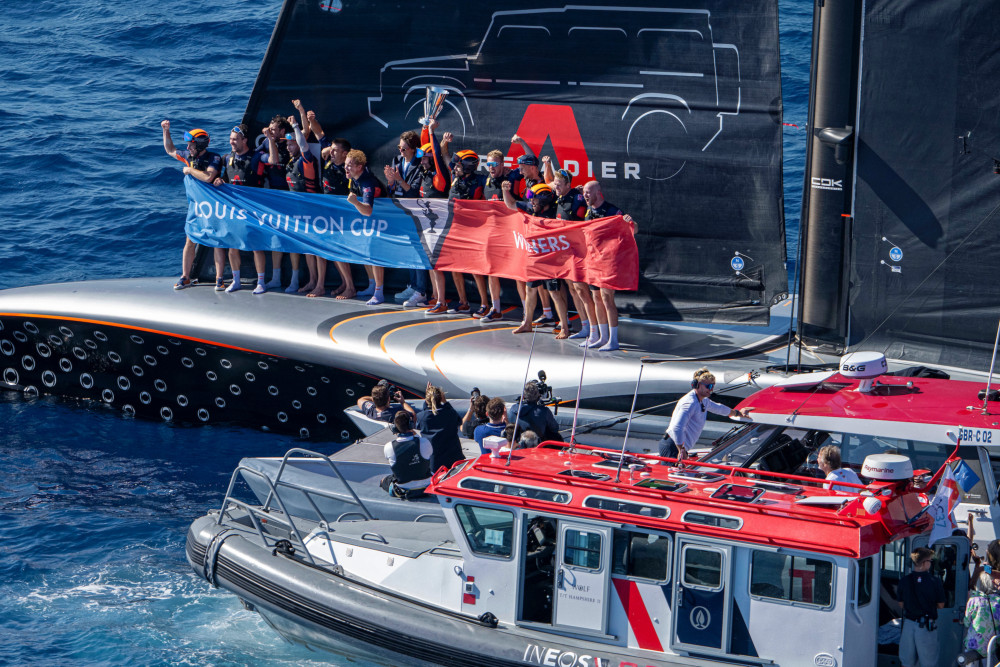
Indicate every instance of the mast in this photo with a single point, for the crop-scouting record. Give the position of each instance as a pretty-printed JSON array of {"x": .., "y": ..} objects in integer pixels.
[{"x": 825, "y": 224}]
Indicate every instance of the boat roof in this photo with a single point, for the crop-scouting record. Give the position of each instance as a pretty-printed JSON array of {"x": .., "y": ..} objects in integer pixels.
[
  {"x": 926, "y": 409},
  {"x": 710, "y": 500}
]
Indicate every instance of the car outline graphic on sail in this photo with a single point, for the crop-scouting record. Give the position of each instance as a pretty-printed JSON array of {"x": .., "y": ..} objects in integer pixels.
[{"x": 679, "y": 86}]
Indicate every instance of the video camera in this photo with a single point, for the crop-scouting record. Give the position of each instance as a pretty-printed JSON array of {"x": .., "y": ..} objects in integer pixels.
[
  {"x": 391, "y": 388},
  {"x": 544, "y": 390}
]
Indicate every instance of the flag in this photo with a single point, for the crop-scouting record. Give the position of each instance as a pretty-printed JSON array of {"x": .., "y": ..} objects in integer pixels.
[
  {"x": 965, "y": 477},
  {"x": 945, "y": 499}
]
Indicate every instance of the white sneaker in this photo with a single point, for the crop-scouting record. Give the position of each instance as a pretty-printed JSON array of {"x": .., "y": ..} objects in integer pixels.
[
  {"x": 405, "y": 295},
  {"x": 416, "y": 300}
]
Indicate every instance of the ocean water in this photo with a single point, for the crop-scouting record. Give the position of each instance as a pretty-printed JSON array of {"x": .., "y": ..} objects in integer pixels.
[{"x": 95, "y": 506}]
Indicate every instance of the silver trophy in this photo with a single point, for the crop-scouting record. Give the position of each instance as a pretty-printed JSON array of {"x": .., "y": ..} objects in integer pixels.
[{"x": 433, "y": 104}]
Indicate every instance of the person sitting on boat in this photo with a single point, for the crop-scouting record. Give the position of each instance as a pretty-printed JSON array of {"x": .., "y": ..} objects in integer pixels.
[
  {"x": 534, "y": 415},
  {"x": 439, "y": 423},
  {"x": 690, "y": 414},
  {"x": 476, "y": 414},
  {"x": 363, "y": 188},
  {"x": 380, "y": 406},
  {"x": 920, "y": 594},
  {"x": 828, "y": 460},
  {"x": 242, "y": 167},
  {"x": 605, "y": 310},
  {"x": 496, "y": 412},
  {"x": 204, "y": 165},
  {"x": 333, "y": 178},
  {"x": 409, "y": 456}
]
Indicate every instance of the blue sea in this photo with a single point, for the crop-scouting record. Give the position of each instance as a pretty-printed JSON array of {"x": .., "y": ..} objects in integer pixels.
[{"x": 95, "y": 506}]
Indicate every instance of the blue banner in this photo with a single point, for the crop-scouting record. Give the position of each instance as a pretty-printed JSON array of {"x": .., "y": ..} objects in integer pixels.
[{"x": 328, "y": 226}]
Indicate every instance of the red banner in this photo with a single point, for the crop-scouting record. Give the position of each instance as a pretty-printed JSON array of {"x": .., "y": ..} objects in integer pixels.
[{"x": 487, "y": 238}]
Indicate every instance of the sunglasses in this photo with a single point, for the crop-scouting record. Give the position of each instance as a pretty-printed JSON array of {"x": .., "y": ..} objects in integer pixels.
[
  {"x": 708, "y": 386},
  {"x": 238, "y": 130},
  {"x": 492, "y": 164}
]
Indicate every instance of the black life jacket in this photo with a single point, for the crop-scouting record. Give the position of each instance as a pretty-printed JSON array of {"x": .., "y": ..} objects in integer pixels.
[
  {"x": 239, "y": 170},
  {"x": 568, "y": 205},
  {"x": 466, "y": 187},
  {"x": 427, "y": 189},
  {"x": 493, "y": 188},
  {"x": 203, "y": 161},
  {"x": 334, "y": 178},
  {"x": 410, "y": 466}
]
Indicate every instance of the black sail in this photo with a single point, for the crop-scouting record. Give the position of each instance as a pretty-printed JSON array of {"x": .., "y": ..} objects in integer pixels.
[
  {"x": 926, "y": 229},
  {"x": 674, "y": 107}
]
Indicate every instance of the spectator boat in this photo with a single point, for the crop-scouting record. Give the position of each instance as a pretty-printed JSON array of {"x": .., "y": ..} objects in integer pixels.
[{"x": 582, "y": 557}]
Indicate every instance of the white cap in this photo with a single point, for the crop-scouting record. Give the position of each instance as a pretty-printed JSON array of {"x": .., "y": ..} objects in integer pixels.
[{"x": 887, "y": 467}]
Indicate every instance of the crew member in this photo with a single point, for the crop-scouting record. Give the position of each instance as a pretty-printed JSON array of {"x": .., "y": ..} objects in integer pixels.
[
  {"x": 688, "y": 419},
  {"x": 603, "y": 299},
  {"x": 204, "y": 165},
  {"x": 274, "y": 176},
  {"x": 541, "y": 205},
  {"x": 409, "y": 457},
  {"x": 466, "y": 184},
  {"x": 828, "y": 460},
  {"x": 243, "y": 167},
  {"x": 496, "y": 175},
  {"x": 363, "y": 189},
  {"x": 334, "y": 180}
]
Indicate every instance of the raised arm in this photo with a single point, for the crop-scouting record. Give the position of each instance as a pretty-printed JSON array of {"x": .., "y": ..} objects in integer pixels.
[
  {"x": 524, "y": 144},
  {"x": 300, "y": 138},
  {"x": 508, "y": 196},
  {"x": 314, "y": 125},
  {"x": 168, "y": 143},
  {"x": 548, "y": 171},
  {"x": 304, "y": 120}
]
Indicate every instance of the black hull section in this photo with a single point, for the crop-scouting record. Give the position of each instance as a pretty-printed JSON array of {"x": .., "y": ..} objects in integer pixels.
[{"x": 175, "y": 378}]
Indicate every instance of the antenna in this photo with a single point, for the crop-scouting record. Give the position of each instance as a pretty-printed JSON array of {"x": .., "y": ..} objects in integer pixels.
[
  {"x": 628, "y": 427},
  {"x": 576, "y": 408},
  {"x": 986, "y": 394},
  {"x": 520, "y": 402}
]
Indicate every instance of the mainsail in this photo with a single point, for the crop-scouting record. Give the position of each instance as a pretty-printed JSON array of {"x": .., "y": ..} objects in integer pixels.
[
  {"x": 926, "y": 230},
  {"x": 674, "y": 106}
]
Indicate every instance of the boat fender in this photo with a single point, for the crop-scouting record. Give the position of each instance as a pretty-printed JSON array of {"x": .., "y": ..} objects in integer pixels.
[
  {"x": 488, "y": 620},
  {"x": 284, "y": 547},
  {"x": 212, "y": 555}
]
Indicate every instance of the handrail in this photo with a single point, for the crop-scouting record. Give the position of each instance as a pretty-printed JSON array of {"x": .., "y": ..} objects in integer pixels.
[
  {"x": 374, "y": 537},
  {"x": 333, "y": 467},
  {"x": 429, "y": 517},
  {"x": 347, "y": 514}
]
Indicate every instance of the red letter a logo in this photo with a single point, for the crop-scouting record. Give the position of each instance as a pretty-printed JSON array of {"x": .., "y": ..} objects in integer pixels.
[{"x": 544, "y": 121}]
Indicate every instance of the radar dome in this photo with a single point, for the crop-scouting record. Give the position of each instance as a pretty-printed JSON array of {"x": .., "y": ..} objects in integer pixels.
[{"x": 887, "y": 467}]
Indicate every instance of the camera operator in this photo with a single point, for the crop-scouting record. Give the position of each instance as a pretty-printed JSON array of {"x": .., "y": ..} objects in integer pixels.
[
  {"x": 378, "y": 405},
  {"x": 439, "y": 423},
  {"x": 534, "y": 415},
  {"x": 475, "y": 415}
]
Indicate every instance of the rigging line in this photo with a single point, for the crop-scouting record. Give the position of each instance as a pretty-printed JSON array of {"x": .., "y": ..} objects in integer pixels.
[{"x": 927, "y": 277}]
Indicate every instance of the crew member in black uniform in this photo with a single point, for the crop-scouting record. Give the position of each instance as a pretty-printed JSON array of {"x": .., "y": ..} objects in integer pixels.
[
  {"x": 363, "y": 188},
  {"x": 242, "y": 167},
  {"x": 205, "y": 166},
  {"x": 570, "y": 205},
  {"x": 409, "y": 457},
  {"x": 605, "y": 311},
  {"x": 334, "y": 181},
  {"x": 541, "y": 205},
  {"x": 274, "y": 177},
  {"x": 496, "y": 175}
]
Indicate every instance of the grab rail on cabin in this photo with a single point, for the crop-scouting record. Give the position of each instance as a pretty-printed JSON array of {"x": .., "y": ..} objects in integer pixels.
[{"x": 309, "y": 493}]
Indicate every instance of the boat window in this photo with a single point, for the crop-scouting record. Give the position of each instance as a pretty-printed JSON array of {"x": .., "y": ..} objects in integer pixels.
[
  {"x": 533, "y": 493},
  {"x": 641, "y": 555},
  {"x": 714, "y": 520},
  {"x": 741, "y": 446},
  {"x": 702, "y": 568},
  {"x": 582, "y": 549},
  {"x": 614, "y": 505},
  {"x": 865, "y": 581},
  {"x": 944, "y": 567},
  {"x": 790, "y": 578},
  {"x": 489, "y": 531}
]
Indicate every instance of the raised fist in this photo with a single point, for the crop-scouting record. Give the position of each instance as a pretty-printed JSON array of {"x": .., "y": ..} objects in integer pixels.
[
  {"x": 297, "y": 104},
  {"x": 165, "y": 124}
]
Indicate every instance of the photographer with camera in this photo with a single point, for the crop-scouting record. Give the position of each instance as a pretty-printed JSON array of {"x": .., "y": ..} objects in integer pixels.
[
  {"x": 475, "y": 415},
  {"x": 439, "y": 423},
  {"x": 534, "y": 415},
  {"x": 380, "y": 406}
]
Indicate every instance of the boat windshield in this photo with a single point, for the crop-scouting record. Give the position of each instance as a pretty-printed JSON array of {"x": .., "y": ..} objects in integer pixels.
[{"x": 793, "y": 451}]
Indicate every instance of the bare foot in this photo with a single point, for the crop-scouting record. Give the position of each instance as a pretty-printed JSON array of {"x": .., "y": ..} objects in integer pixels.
[
  {"x": 349, "y": 293},
  {"x": 562, "y": 335},
  {"x": 308, "y": 287},
  {"x": 338, "y": 291},
  {"x": 524, "y": 328},
  {"x": 319, "y": 291}
]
